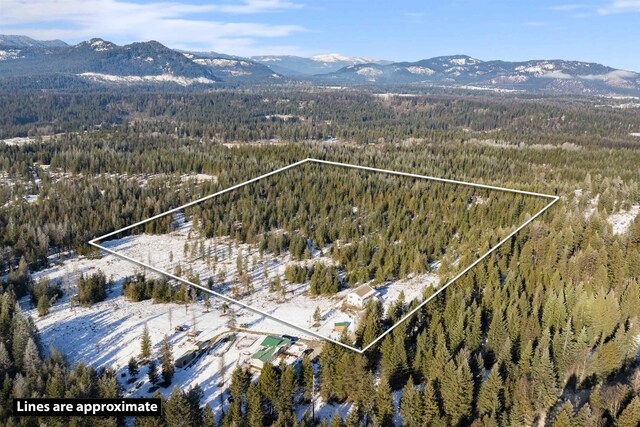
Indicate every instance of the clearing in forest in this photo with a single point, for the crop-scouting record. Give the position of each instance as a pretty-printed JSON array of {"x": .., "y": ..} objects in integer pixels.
[{"x": 339, "y": 252}]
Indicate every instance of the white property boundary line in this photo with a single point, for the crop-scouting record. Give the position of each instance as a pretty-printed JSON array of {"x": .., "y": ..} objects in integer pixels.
[{"x": 95, "y": 243}]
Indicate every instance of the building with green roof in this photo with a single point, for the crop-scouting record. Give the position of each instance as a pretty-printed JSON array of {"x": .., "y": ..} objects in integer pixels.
[{"x": 271, "y": 346}]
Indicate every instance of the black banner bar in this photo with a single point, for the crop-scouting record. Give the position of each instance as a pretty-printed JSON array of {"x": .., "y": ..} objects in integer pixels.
[{"x": 87, "y": 407}]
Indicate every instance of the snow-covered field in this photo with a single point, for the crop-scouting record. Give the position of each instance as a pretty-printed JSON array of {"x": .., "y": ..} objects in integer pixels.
[
  {"x": 162, "y": 78},
  {"x": 107, "y": 334},
  {"x": 18, "y": 140},
  {"x": 294, "y": 304},
  {"x": 622, "y": 220}
]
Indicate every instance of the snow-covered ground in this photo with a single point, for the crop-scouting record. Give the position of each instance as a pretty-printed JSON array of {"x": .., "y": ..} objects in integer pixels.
[
  {"x": 107, "y": 334},
  {"x": 161, "y": 78},
  {"x": 294, "y": 304},
  {"x": 592, "y": 205},
  {"x": 18, "y": 140},
  {"x": 622, "y": 220}
]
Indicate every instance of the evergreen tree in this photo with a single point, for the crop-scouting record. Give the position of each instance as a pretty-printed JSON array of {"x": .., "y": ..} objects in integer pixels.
[
  {"x": 152, "y": 371},
  {"x": 145, "y": 344},
  {"x": 177, "y": 411},
  {"x": 32, "y": 359},
  {"x": 489, "y": 397},
  {"x": 353, "y": 419},
  {"x": 194, "y": 396},
  {"x": 132, "y": 367},
  {"x": 337, "y": 421},
  {"x": 166, "y": 361},
  {"x": 544, "y": 382},
  {"x": 268, "y": 385},
  {"x": 5, "y": 360},
  {"x": 384, "y": 408},
  {"x": 630, "y": 415},
  {"x": 564, "y": 417},
  {"x": 43, "y": 305},
  {"x": 208, "y": 417},
  {"x": 457, "y": 389},
  {"x": 237, "y": 389},
  {"x": 411, "y": 405},
  {"x": 306, "y": 379},
  {"x": 429, "y": 410},
  {"x": 317, "y": 316},
  {"x": 287, "y": 389},
  {"x": 255, "y": 414}
]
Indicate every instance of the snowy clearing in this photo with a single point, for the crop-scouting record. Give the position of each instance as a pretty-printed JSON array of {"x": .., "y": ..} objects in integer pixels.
[
  {"x": 622, "y": 220},
  {"x": 161, "y": 78},
  {"x": 107, "y": 334},
  {"x": 181, "y": 251}
]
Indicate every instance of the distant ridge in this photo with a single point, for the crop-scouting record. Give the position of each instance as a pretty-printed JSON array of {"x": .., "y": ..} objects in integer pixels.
[
  {"x": 553, "y": 76},
  {"x": 289, "y": 65},
  {"x": 100, "y": 62},
  {"x": 10, "y": 41}
]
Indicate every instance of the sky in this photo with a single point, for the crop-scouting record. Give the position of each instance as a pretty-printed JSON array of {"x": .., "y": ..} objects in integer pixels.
[{"x": 604, "y": 31}]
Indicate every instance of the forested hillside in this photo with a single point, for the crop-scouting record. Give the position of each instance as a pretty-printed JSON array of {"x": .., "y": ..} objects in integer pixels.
[
  {"x": 319, "y": 114},
  {"x": 544, "y": 332}
]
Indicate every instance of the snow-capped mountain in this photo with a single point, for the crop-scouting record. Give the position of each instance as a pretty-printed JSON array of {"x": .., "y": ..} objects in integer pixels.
[
  {"x": 336, "y": 57},
  {"x": 101, "y": 61},
  {"x": 554, "y": 76},
  {"x": 234, "y": 68},
  {"x": 29, "y": 63},
  {"x": 98, "y": 60},
  {"x": 288, "y": 65}
]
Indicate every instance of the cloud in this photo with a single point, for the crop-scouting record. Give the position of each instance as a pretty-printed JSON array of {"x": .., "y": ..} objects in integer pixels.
[
  {"x": 570, "y": 7},
  {"x": 609, "y": 7},
  {"x": 414, "y": 17},
  {"x": 191, "y": 26},
  {"x": 616, "y": 75},
  {"x": 256, "y": 6},
  {"x": 557, "y": 74},
  {"x": 620, "y": 6}
]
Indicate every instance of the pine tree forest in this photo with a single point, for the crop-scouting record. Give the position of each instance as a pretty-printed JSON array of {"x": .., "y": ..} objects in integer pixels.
[{"x": 543, "y": 332}]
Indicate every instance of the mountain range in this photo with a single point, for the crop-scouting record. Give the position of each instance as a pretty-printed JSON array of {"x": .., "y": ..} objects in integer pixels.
[
  {"x": 297, "y": 66},
  {"x": 36, "y": 64}
]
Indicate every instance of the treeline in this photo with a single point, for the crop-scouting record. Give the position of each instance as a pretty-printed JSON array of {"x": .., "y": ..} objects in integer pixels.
[
  {"x": 68, "y": 213},
  {"x": 43, "y": 295},
  {"x": 228, "y": 116},
  {"x": 25, "y": 372},
  {"x": 323, "y": 279},
  {"x": 269, "y": 400},
  {"x": 182, "y": 408},
  {"x": 78, "y": 201},
  {"x": 140, "y": 288},
  {"x": 92, "y": 288}
]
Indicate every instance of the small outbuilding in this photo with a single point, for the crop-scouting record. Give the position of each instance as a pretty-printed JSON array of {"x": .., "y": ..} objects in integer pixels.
[
  {"x": 185, "y": 358},
  {"x": 340, "y": 326}
]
